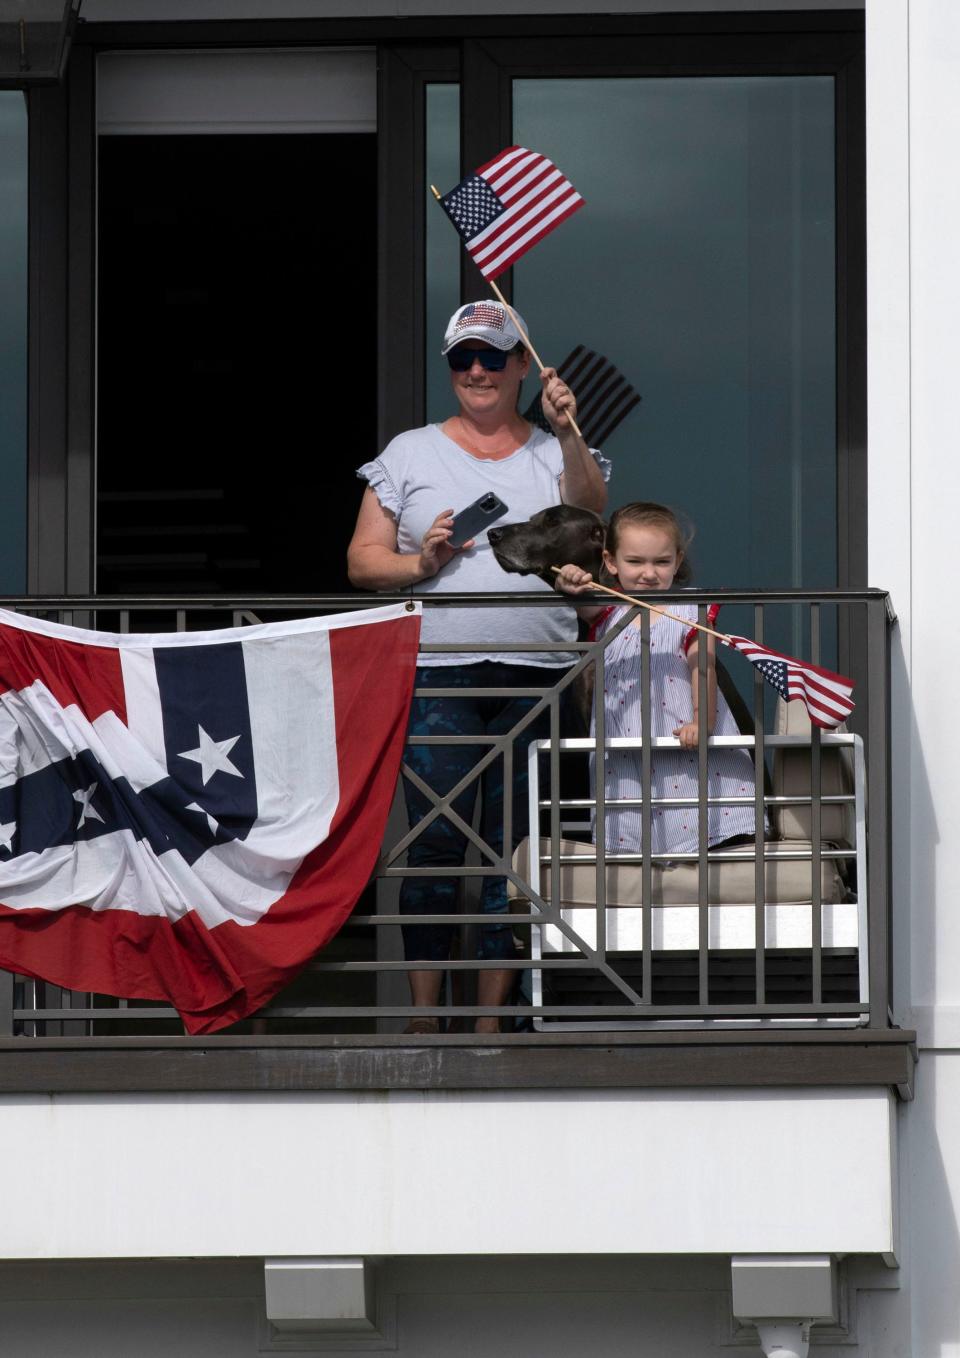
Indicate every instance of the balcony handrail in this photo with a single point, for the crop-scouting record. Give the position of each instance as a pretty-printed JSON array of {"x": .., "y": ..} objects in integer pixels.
[{"x": 376, "y": 599}]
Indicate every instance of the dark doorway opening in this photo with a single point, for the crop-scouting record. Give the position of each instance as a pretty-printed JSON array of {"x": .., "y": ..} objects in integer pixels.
[{"x": 236, "y": 360}]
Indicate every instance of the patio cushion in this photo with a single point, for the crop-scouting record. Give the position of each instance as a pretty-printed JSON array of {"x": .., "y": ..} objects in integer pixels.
[
  {"x": 791, "y": 778},
  {"x": 787, "y": 880}
]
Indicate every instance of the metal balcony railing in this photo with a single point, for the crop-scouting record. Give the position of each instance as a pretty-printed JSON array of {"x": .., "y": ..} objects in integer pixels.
[{"x": 790, "y": 930}]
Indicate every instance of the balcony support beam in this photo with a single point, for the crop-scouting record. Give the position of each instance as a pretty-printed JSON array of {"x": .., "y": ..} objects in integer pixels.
[
  {"x": 783, "y": 1295},
  {"x": 767, "y": 1058},
  {"x": 327, "y": 1296}
]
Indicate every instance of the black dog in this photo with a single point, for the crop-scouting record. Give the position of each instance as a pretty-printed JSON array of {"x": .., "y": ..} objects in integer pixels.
[
  {"x": 553, "y": 537},
  {"x": 556, "y": 536}
]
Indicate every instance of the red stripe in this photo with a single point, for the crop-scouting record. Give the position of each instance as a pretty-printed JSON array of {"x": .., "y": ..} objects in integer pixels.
[
  {"x": 517, "y": 224},
  {"x": 482, "y": 169},
  {"x": 216, "y": 977},
  {"x": 506, "y": 228},
  {"x": 754, "y": 650},
  {"x": 87, "y": 677},
  {"x": 829, "y": 696},
  {"x": 814, "y": 713},
  {"x": 523, "y": 179},
  {"x": 373, "y": 685},
  {"x": 528, "y": 245}
]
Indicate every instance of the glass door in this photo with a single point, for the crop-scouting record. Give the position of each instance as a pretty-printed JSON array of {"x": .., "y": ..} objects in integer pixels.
[
  {"x": 718, "y": 263},
  {"x": 703, "y": 266}
]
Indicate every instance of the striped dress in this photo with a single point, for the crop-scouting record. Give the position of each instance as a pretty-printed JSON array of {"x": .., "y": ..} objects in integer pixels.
[{"x": 674, "y": 773}]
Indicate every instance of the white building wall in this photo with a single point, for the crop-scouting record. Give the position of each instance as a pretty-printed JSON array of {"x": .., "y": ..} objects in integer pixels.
[
  {"x": 913, "y": 128},
  {"x": 509, "y": 1307},
  {"x": 633, "y": 1171}
]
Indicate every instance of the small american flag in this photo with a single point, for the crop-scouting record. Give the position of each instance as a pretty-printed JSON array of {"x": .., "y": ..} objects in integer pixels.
[
  {"x": 482, "y": 313},
  {"x": 825, "y": 695},
  {"x": 604, "y": 396},
  {"x": 506, "y": 206}
]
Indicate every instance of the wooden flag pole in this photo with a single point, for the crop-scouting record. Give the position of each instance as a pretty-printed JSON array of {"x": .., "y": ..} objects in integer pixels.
[
  {"x": 664, "y": 613},
  {"x": 520, "y": 330}
]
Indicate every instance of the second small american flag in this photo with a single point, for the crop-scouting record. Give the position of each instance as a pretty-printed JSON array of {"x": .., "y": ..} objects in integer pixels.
[{"x": 825, "y": 695}]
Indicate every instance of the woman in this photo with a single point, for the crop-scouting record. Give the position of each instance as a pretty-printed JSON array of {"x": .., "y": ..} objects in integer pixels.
[{"x": 402, "y": 539}]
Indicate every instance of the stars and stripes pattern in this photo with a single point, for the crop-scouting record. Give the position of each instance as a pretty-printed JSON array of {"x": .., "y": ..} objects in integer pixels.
[
  {"x": 507, "y": 205},
  {"x": 482, "y": 313},
  {"x": 825, "y": 695},
  {"x": 604, "y": 396},
  {"x": 189, "y": 816}
]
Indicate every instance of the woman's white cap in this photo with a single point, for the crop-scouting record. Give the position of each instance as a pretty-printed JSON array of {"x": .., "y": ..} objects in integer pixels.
[{"x": 488, "y": 321}]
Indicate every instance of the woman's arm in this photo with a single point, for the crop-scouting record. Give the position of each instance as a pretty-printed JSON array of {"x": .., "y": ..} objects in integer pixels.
[
  {"x": 581, "y": 481},
  {"x": 373, "y": 561},
  {"x": 573, "y": 580},
  {"x": 689, "y": 733}
]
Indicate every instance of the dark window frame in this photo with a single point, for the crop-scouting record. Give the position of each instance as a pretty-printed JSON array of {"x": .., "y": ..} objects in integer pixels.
[
  {"x": 61, "y": 376},
  {"x": 404, "y": 72}
]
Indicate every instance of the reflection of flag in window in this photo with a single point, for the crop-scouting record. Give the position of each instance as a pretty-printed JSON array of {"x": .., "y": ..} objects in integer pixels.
[
  {"x": 507, "y": 205},
  {"x": 190, "y": 816},
  {"x": 604, "y": 396},
  {"x": 825, "y": 695}
]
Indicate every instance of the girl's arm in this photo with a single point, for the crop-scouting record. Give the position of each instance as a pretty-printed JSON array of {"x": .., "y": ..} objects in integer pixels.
[
  {"x": 689, "y": 733},
  {"x": 572, "y": 580}
]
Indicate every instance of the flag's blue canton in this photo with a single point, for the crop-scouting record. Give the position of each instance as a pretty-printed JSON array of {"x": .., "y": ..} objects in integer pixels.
[
  {"x": 209, "y": 797},
  {"x": 203, "y": 696},
  {"x": 775, "y": 671},
  {"x": 472, "y": 206},
  {"x": 75, "y": 800}
]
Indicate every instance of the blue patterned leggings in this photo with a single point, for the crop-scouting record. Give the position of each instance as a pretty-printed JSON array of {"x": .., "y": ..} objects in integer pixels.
[{"x": 441, "y": 767}]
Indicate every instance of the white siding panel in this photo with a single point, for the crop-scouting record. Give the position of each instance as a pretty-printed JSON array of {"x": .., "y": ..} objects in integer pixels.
[
  {"x": 935, "y": 353},
  {"x": 736, "y": 1171}
]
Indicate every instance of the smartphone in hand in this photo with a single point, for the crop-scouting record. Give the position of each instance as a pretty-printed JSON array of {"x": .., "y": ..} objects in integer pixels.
[{"x": 476, "y": 518}]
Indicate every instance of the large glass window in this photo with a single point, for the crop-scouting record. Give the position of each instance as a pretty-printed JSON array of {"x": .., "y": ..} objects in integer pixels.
[
  {"x": 13, "y": 340},
  {"x": 703, "y": 265}
]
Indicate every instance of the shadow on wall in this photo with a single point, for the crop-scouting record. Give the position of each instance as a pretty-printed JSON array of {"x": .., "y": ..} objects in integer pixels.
[
  {"x": 929, "y": 1147},
  {"x": 930, "y": 1238}
]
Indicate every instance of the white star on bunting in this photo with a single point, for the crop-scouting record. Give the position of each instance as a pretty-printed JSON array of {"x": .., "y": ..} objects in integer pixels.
[
  {"x": 87, "y": 812},
  {"x": 212, "y": 824},
  {"x": 7, "y": 833},
  {"x": 211, "y": 755}
]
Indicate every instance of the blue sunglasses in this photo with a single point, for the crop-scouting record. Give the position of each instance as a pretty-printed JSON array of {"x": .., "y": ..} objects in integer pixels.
[{"x": 491, "y": 360}]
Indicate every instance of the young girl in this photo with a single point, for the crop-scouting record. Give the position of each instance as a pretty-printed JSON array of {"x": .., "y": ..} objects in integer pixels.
[{"x": 646, "y": 551}]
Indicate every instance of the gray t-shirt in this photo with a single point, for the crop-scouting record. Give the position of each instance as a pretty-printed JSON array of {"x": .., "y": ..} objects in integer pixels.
[{"x": 423, "y": 471}]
